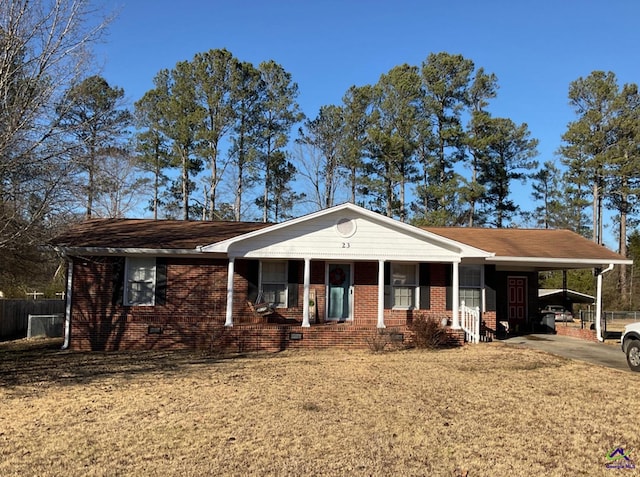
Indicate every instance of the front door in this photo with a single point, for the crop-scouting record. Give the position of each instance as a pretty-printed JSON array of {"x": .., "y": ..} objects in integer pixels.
[
  {"x": 339, "y": 288},
  {"x": 517, "y": 300}
]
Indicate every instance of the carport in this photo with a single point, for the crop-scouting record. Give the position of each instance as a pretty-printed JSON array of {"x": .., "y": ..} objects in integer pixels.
[{"x": 559, "y": 296}]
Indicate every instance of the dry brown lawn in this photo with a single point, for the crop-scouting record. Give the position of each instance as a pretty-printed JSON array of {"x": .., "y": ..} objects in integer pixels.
[{"x": 479, "y": 410}]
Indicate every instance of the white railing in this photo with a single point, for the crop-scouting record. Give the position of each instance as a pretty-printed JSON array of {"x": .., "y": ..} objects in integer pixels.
[{"x": 470, "y": 322}]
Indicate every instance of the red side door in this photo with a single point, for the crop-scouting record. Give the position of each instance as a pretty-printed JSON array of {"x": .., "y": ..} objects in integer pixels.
[{"x": 517, "y": 300}]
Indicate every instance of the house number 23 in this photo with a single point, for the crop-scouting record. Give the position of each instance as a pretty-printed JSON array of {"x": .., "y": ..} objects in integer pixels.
[{"x": 346, "y": 245}]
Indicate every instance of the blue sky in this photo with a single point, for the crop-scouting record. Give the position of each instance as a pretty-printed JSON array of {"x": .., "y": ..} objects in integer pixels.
[{"x": 535, "y": 48}]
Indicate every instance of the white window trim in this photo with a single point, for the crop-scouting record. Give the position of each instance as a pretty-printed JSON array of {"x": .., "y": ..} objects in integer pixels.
[
  {"x": 480, "y": 286},
  {"x": 286, "y": 282},
  {"x": 126, "y": 299},
  {"x": 415, "y": 286}
]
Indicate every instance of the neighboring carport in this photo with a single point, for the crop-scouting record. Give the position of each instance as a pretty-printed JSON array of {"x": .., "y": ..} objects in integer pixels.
[{"x": 559, "y": 296}]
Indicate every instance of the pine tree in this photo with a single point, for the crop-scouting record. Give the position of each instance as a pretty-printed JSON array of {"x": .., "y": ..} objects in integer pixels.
[
  {"x": 445, "y": 79},
  {"x": 482, "y": 89},
  {"x": 588, "y": 138},
  {"x": 391, "y": 137},
  {"x": 546, "y": 189},
  {"x": 92, "y": 113},
  {"x": 180, "y": 117},
  {"x": 215, "y": 76},
  {"x": 248, "y": 98},
  {"x": 509, "y": 158},
  {"x": 357, "y": 109},
  {"x": 152, "y": 146},
  {"x": 279, "y": 113}
]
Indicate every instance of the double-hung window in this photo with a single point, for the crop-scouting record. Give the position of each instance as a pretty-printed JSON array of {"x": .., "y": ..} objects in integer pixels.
[
  {"x": 404, "y": 283},
  {"x": 471, "y": 286},
  {"x": 140, "y": 282},
  {"x": 274, "y": 282}
]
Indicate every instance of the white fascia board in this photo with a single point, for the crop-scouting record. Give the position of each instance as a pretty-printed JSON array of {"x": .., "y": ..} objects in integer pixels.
[
  {"x": 80, "y": 251},
  {"x": 584, "y": 262},
  {"x": 463, "y": 250},
  {"x": 545, "y": 292}
]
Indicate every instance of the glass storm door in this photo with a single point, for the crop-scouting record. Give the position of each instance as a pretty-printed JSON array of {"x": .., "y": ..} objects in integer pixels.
[{"x": 339, "y": 288}]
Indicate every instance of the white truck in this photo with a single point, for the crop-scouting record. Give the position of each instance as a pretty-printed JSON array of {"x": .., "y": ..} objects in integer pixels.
[{"x": 631, "y": 345}]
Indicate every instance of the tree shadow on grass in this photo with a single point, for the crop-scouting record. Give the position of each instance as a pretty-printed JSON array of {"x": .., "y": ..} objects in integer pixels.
[{"x": 42, "y": 363}]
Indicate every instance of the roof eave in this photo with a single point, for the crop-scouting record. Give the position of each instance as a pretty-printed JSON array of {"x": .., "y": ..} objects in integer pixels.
[
  {"x": 559, "y": 262},
  {"x": 95, "y": 251}
]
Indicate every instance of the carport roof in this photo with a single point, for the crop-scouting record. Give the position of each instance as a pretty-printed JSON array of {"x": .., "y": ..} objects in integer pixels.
[
  {"x": 545, "y": 246},
  {"x": 558, "y": 293}
]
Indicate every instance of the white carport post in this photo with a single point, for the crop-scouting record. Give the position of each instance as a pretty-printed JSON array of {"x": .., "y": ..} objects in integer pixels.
[
  {"x": 307, "y": 281},
  {"x": 599, "y": 302},
  {"x": 381, "y": 294},
  {"x": 455, "y": 296},
  {"x": 230, "y": 271}
]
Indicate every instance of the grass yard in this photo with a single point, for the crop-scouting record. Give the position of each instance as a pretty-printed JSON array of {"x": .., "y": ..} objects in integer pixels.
[{"x": 482, "y": 410}]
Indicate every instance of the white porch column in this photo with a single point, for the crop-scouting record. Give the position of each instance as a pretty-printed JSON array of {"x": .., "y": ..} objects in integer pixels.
[
  {"x": 229, "y": 316},
  {"x": 381, "y": 294},
  {"x": 307, "y": 281},
  {"x": 599, "y": 302},
  {"x": 455, "y": 296}
]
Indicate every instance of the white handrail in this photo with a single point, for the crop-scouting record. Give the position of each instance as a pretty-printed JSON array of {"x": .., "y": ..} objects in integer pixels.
[{"x": 470, "y": 322}]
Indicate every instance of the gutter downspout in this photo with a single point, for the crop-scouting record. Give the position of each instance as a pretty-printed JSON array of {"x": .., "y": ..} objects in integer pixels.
[
  {"x": 599, "y": 302},
  {"x": 67, "y": 310}
]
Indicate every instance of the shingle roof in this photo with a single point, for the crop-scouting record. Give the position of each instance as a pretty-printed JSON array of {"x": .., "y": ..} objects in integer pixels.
[
  {"x": 151, "y": 234},
  {"x": 188, "y": 235},
  {"x": 540, "y": 243}
]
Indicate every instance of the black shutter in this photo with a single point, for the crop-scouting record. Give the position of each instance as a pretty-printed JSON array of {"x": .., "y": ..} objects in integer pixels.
[
  {"x": 253, "y": 278},
  {"x": 292, "y": 286},
  {"x": 425, "y": 286},
  {"x": 449, "y": 285},
  {"x": 118, "y": 281},
  {"x": 490, "y": 287},
  {"x": 387, "y": 285},
  {"x": 161, "y": 281}
]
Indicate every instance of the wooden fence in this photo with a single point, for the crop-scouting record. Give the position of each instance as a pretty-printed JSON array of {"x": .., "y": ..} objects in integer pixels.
[{"x": 14, "y": 315}]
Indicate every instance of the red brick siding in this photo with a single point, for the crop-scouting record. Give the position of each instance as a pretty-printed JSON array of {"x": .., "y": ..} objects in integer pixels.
[
  {"x": 582, "y": 333},
  {"x": 195, "y": 309},
  {"x": 439, "y": 290},
  {"x": 488, "y": 324},
  {"x": 239, "y": 338}
]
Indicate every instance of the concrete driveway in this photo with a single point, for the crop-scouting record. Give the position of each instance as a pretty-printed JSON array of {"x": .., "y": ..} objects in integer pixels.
[{"x": 609, "y": 355}]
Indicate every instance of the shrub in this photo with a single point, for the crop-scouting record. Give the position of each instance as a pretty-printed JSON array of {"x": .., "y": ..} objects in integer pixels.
[
  {"x": 429, "y": 333},
  {"x": 378, "y": 341}
]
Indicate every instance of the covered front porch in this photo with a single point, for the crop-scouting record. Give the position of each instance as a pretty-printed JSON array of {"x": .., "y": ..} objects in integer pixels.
[
  {"x": 345, "y": 264},
  {"x": 353, "y": 292}
]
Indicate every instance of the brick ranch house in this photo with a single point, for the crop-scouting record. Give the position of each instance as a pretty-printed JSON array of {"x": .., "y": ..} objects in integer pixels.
[{"x": 333, "y": 277}]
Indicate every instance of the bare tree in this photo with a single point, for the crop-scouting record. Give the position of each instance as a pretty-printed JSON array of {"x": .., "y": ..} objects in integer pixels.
[
  {"x": 122, "y": 187},
  {"x": 44, "y": 48}
]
